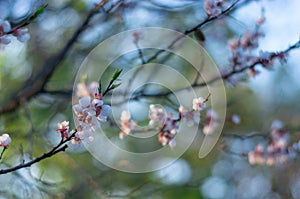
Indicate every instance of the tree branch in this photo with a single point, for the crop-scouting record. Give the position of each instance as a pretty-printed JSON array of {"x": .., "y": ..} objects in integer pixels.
[
  {"x": 61, "y": 146},
  {"x": 37, "y": 83}
]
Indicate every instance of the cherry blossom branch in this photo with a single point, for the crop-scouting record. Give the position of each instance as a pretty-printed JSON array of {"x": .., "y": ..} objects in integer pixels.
[
  {"x": 37, "y": 83},
  {"x": 61, "y": 146},
  {"x": 258, "y": 61},
  {"x": 189, "y": 31},
  {"x": 225, "y": 76}
]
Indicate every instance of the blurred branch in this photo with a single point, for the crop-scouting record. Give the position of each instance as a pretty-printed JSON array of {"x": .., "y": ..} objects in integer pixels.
[
  {"x": 31, "y": 128},
  {"x": 61, "y": 146},
  {"x": 259, "y": 61},
  {"x": 189, "y": 31},
  {"x": 245, "y": 136},
  {"x": 37, "y": 83},
  {"x": 225, "y": 76}
]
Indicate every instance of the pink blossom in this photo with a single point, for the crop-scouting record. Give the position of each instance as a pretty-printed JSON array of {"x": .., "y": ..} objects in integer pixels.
[
  {"x": 213, "y": 7},
  {"x": 190, "y": 117},
  {"x": 157, "y": 115},
  {"x": 211, "y": 122},
  {"x": 63, "y": 129},
  {"x": 199, "y": 104},
  {"x": 127, "y": 125}
]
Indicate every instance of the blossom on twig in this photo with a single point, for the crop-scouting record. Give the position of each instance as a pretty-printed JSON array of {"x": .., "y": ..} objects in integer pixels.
[
  {"x": 277, "y": 150},
  {"x": 127, "y": 125},
  {"x": 5, "y": 140}
]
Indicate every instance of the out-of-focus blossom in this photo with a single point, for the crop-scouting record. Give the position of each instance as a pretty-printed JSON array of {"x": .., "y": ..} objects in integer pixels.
[
  {"x": 136, "y": 36},
  {"x": 211, "y": 122},
  {"x": 127, "y": 125},
  {"x": 4, "y": 140},
  {"x": 190, "y": 117},
  {"x": 277, "y": 125},
  {"x": 213, "y": 7},
  {"x": 277, "y": 150},
  {"x": 168, "y": 132},
  {"x": 199, "y": 104},
  {"x": 22, "y": 34},
  {"x": 235, "y": 119},
  {"x": 157, "y": 115},
  {"x": 84, "y": 90},
  {"x": 5, "y": 39},
  {"x": 4, "y": 27}
]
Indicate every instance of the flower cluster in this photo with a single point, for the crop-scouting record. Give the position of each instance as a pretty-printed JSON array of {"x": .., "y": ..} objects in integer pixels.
[
  {"x": 213, "y": 7},
  {"x": 6, "y": 32},
  {"x": 243, "y": 51},
  {"x": 89, "y": 111},
  {"x": 277, "y": 150},
  {"x": 127, "y": 125},
  {"x": 190, "y": 117},
  {"x": 65, "y": 133},
  {"x": 4, "y": 140},
  {"x": 168, "y": 125}
]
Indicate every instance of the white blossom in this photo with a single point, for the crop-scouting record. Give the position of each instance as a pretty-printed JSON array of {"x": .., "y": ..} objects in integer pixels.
[{"x": 5, "y": 140}]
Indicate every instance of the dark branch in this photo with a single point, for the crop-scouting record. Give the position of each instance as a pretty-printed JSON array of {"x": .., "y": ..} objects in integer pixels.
[
  {"x": 37, "y": 83},
  {"x": 61, "y": 146}
]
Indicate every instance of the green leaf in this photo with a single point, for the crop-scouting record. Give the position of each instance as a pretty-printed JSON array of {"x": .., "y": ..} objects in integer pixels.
[
  {"x": 115, "y": 86},
  {"x": 100, "y": 87},
  {"x": 38, "y": 12},
  {"x": 117, "y": 74}
]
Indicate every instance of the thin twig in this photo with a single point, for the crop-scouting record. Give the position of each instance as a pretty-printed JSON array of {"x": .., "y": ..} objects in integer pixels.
[
  {"x": 3, "y": 150},
  {"x": 61, "y": 146}
]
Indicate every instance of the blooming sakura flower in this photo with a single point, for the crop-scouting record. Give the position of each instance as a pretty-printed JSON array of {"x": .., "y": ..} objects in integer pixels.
[
  {"x": 89, "y": 111},
  {"x": 104, "y": 112},
  {"x": 63, "y": 129},
  {"x": 4, "y": 27},
  {"x": 168, "y": 132},
  {"x": 190, "y": 117},
  {"x": 5, "y": 39},
  {"x": 213, "y": 7},
  {"x": 127, "y": 125},
  {"x": 86, "y": 109},
  {"x": 22, "y": 34},
  {"x": 4, "y": 140},
  {"x": 199, "y": 104},
  {"x": 156, "y": 115},
  {"x": 167, "y": 137},
  {"x": 82, "y": 135}
]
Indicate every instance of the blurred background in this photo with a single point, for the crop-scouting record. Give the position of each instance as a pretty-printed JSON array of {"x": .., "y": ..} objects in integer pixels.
[{"x": 52, "y": 57}]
